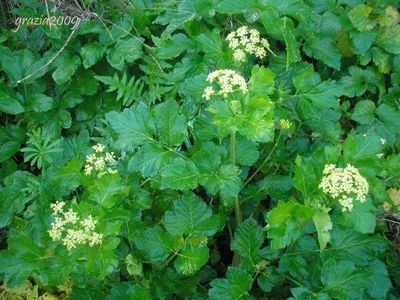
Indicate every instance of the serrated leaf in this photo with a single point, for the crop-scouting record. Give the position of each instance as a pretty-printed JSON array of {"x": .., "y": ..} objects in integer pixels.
[
  {"x": 174, "y": 46},
  {"x": 190, "y": 260},
  {"x": 359, "y": 16},
  {"x": 154, "y": 243},
  {"x": 170, "y": 123},
  {"x": 292, "y": 46},
  {"x": 248, "y": 238},
  {"x": 364, "y": 112},
  {"x": 92, "y": 53},
  {"x": 235, "y": 286},
  {"x": 10, "y": 103},
  {"x": 191, "y": 217},
  {"x": 108, "y": 191},
  {"x": 323, "y": 223},
  {"x": 362, "y": 217},
  {"x": 181, "y": 174},
  {"x": 323, "y": 49},
  {"x": 134, "y": 126},
  {"x": 125, "y": 51}
]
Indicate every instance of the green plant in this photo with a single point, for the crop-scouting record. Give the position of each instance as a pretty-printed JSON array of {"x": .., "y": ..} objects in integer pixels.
[{"x": 240, "y": 150}]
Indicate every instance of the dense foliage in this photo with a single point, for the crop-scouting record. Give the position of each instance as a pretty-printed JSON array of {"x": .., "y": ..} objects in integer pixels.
[{"x": 200, "y": 149}]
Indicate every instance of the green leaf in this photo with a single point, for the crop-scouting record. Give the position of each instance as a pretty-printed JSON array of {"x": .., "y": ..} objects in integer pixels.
[
  {"x": 231, "y": 7},
  {"x": 361, "y": 147},
  {"x": 262, "y": 81},
  {"x": 236, "y": 285},
  {"x": 128, "y": 290},
  {"x": 67, "y": 67},
  {"x": 323, "y": 49},
  {"x": 174, "y": 46},
  {"x": 92, "y": 53},
  {"x": 359, "y": 16},
  {"x": 10, "y": 103},
  {"x": 150, "y": 159},
  {"x": 360, "y": 81},
  {"x": 364, "y": 112},
  {"x": 362, "y": 217},
  {"x": 154, "y": 243},
  {"x": 382, "y": 60},
  {"x": 246, "y": 151},
  {"x": 285, "y": 222},
  {"x": 309, "y": 88},
  {"x": 323, "y": 223},
  {"x": 191, "y": 217},
  {"x": 181, "y": 174},
  {"x": 342, "y": 279},
  {"x": 258, "y": 123},
  {"x": 125, "y": 51},
  {"x": 363, "y": 40},
  {"x": 380, "y": 282},
  {"x": 347, "y": 244},
  {"x": 108, "y": 191},
  {"x": 190, "y": 260},
  {"x": 249, "y": 237},
  {"x": 210, "y": 44},
  {"x": 226, "y": 181},
  {"x": 389, "y": 39},
  {"x": 134, "y": 126},
  {"x": 170, "y": 123},
  {"x": 292, "y": 46},
  {"x": 40, "y": 102}
]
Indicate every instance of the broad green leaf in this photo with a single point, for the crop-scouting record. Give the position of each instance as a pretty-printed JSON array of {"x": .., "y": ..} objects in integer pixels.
[
  {"x": 174, "y": 46},
  {"x": 360, "y": 81},
  {"x": 231, "y": 7},
  {"x": 359, "y": 16},
  {"x": 67, "y": 67},
  {"x": 125, "y": 51},
  {"x": 382, "y": 60},
  {"x": 40, "y": 102},
  {"x": 347, "y": 244},
  {"x": 92, "y": 53},
  {"x": 191, "y": 217},
  {"x": 363, "y": 40},
  {"x": 362, "y": 217},
  {"x": 323, "y": 223},
  {"x": 364, "y": 112},
  {"x": 380, "y": 283},
  {"x": 236, "y": 285},
  {"x": 133, "y": 126},
  {"x": 8, "y": 149},
  {"x": 10, "y": 103},
  {"x": 292, "y": 46},
  {"x": 154, "y": 243},
  {"x": 249, "y": 237},
  {"x": 262, "y": 81},
  {"x": 170, "y": 123},
  {"x": 319, "y": 94},
  {"x": 180, "y": 174},
  {"x": 190, "y": 260},
  {"x": 285, "y": 222},
  {"x": 258, "y": 124},
  {"x": 246, "y": 151},
  {"x": 108, "y": 191},
  {"x": 128, "y": 290},
  {"x": 361, "y": 147},
  {"x": 341, "y": 279},
  {"x": 323, "y": 49},
  {"x": 150, "y": 159},
  {"x": 210, "y": 44},
  {"x": 225, "y": 180},
  {"x": 389, "y": 39}
]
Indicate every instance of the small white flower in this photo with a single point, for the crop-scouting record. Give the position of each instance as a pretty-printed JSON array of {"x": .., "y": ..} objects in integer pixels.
[
  {"x": 228, "y": 81},
  {"x": 383, "y": 141},
  {"x": 344, "y": 184}
]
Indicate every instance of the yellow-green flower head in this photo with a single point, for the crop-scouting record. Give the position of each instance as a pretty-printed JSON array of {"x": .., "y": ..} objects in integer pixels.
[
  {"x": 344, "y": 184},
  {"x": 245, "y": 41},
  {"x": 228, "y": 82}
]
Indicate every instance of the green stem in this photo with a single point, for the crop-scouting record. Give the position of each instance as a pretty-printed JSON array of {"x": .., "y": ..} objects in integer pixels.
[
  {"x": 238, "y": 212},
  {"x": 263, "y": 163}
]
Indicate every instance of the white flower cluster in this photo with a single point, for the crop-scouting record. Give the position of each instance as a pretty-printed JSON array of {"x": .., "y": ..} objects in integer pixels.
[
  {"x": 244, "y": 41},
  {"x": 72, "y": 230},
  {"x": 344, "y": 184},
  {"x": 100, "y": 162},
  {"x": 228, "y": 81}
]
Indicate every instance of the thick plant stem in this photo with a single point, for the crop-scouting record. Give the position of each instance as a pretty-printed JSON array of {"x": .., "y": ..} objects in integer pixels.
[{"x": 238, "y": 214}]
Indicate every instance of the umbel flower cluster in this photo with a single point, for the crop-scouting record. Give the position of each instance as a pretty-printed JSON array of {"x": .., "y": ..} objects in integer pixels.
[
  {"x": 228, "y": 82},
  {"x": 72, "y": 230},
  {"x": 100, "y": 162},
  {"x": 245, "y": 42},
  {"x": 344, "y": 184}
]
